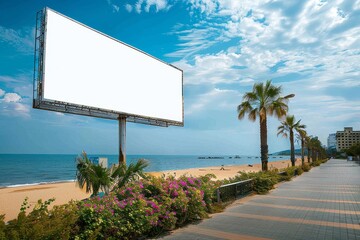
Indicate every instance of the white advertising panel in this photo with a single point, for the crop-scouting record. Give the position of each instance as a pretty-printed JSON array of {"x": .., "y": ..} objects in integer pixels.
[{"x": 87, "y": 68}]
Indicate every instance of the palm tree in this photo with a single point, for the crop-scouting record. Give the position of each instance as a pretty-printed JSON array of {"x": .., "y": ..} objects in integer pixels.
[
  {"x": 95, "y": 177},
  {"x": 91, "y": 176},
  {"x": 308, "y": 146},
  {"x": 302, "y": 137},
  {"x": 123, "y": 174},
  {"x": 287, "y": 127},
  {"x": 316, "y": 149},
  {"x": 263, "y": 100}
]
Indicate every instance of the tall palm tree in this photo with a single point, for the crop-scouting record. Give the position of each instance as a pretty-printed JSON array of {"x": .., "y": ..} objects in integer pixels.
[
  {"x": 302, "y": 136},
  {"x": 316, "y": 149},
  {"x": 287, "y": 127},
  {"x": 308, "y": 146},
  {"x": 95, "y": 177},
  {"x": 264, "y": 100}
]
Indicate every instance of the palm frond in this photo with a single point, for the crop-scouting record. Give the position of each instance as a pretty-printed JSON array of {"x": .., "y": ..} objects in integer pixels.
[
  {"x": 132, "y": 172},
  {"x": 243, "y": 108},
  {"x": 253, "y": 114}
]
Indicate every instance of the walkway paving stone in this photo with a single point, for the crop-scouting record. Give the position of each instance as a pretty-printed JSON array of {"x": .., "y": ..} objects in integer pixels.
[{"x": 321, "y": 204}]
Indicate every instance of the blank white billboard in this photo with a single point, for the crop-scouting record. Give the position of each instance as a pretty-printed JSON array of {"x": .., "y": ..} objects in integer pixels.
[{"x": 87, "y": 68}]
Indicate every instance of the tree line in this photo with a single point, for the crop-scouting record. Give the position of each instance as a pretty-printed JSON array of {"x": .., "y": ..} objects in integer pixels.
[{"x": 265, "y": 100}]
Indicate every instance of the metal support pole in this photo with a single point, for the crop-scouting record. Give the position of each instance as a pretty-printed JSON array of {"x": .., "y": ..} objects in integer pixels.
[{"x": 122, "y": 140}]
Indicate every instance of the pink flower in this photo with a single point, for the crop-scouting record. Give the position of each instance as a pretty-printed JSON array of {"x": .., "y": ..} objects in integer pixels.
[
  {"x": 175, "y": 194},
  {"x": 190, "y": 180},
  {"x": 182, "y": 183}
]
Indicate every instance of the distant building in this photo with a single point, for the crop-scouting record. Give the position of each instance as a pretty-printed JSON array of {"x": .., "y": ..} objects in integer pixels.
[
  {"x": 331, "y": 141},
  {"x": 345, "y": 139}
]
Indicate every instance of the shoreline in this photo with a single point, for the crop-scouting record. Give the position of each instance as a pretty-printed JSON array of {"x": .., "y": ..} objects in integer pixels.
[
  {"x": 148, "y": 172},
  {"x": 36, "y": 184},
  {"x": 12, "y": 197},
  {"x": 226, "y": 171}
]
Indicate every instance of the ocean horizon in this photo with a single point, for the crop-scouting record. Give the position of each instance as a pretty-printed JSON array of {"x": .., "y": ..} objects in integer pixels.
[{"x": 34, "y": 169}]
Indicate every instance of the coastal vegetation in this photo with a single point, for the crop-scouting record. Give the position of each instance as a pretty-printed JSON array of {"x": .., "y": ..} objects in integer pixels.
[
  {"x": 144, "y": 207},
  {"x": 301, "y": 136},
  {"x": 94, "y": 177},
  {"x": 141, "y": 208},
  {"x": 286, "y": 129},
  {"x": 264, "y": 100}
]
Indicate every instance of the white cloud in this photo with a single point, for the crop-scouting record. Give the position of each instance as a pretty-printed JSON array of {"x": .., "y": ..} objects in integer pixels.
[
  {"x": 115, "y": 8},
  {"x": 128, "y": 7},
  {"x": 204, "y": 6},
  {"x": 310, "y": 47},
  {"x": 22, "y": 40},
  {"x": 301, "y": 42},
  {"x": 146, "y": 5},
  {"x": 194, "y": 40},
  {"x": 12, "y": 97},
  {"x": 2, "y": 92},
  {"x": 16, "y": 109},
  {"x": 214, "y": 99},
  {"x": 356, "y": 5},
  {"x": 9, "y": 79},
  {"x": 12, "y": 104}
]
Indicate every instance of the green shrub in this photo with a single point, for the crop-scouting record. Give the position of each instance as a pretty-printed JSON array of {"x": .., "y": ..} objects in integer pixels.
[
  {"x": 42, "y": 223},
  {"x": 2, "y": 227},
  {"x": 306, "y": 167},
  {"x": 146, "y": 208},
  {"x": 315, "y": 163},
  {"x": 287, "y": 174},
  {"x": 263, "y": 181},
  {"x": 299, "y": 170}
]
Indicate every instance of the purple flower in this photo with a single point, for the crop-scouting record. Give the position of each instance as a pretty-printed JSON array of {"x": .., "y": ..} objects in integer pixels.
[
  {"x": 153, "y": 205},
  {"x": 175, "y": 194},
  {"x": 190, "y": 180},
  {"x": 182, "y": 183}
]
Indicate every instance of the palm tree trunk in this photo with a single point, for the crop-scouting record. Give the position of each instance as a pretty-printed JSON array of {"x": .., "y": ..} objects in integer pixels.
[
  {"x": 308, "y": 154},
  {"x": 292, "y": 148},
  {"x": 263, "y": 143},
  {"x": 302, "y": 152},
  {"x": 313, "y": 153}
]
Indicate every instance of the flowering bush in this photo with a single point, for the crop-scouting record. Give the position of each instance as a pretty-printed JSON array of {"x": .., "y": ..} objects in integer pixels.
[
  {"x": 41, "y": 223},
  {"x": 146, "y": 207}
]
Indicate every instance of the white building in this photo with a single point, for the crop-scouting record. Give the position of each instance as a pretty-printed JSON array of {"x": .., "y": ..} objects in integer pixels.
[{"x": 345, "y": 139}]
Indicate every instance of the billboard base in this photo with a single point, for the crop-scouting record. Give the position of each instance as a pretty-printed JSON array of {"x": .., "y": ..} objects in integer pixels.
[{"x": 122, "y": 139}]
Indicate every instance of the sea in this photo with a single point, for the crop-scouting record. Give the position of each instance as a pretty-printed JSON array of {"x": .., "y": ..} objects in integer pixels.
[{"x": 33, "y": 169}]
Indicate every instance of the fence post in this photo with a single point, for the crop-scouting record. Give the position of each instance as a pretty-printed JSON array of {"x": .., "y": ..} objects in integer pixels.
[{"x": 218, "y": 194}]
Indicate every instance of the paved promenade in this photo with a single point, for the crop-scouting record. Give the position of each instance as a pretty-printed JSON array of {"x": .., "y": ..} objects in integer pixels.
[{"x": 321, "y": 204}]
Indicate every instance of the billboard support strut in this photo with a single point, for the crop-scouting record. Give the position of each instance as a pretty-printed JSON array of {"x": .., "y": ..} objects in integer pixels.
[{"x": 122, "y": 139}]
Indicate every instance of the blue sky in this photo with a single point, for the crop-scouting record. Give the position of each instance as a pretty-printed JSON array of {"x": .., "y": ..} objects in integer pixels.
[{"x": 311, "y": 48}]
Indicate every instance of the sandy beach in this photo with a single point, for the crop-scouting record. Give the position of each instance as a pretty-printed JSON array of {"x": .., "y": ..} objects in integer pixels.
[
  {"x": 12, "y": 198},
  {"x": 227, "y": 172}
]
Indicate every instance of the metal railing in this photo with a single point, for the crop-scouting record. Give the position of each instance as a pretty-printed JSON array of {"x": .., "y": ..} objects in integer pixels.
[{"x": 234, "y": 190}]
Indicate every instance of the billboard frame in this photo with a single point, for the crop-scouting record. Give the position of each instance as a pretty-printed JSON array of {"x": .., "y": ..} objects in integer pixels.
[{"x": 40, "y": 102}]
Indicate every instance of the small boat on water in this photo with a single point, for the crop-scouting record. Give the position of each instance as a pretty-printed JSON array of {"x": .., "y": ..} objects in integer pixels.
[{"x": 210, "y": 157}]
